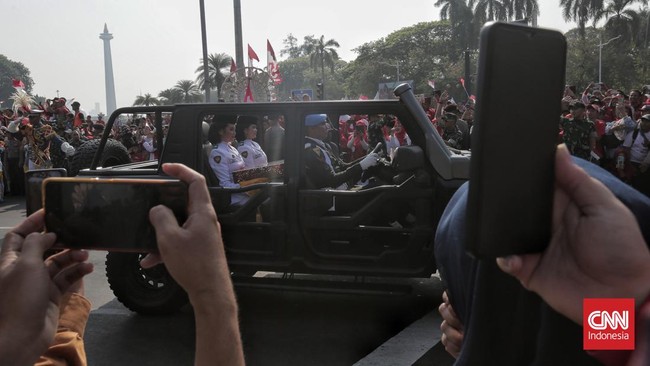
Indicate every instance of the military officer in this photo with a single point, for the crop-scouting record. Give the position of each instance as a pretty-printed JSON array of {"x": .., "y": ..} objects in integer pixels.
[
  {"x": 224, "y": 158},
  {"x": 322, "y": 167},
  {"x": 250, "y": 150}
]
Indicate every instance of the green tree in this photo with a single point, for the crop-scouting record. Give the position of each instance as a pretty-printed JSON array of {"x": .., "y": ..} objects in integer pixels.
[
  {"x": 621, "y": 68},
  {"x": 146, "y": 100},
  {"x": 218, "y": 70},
  {"x": 291, "y": 47},
  {"x": 424, "y": 51},
  {"x": 621, "y": 20},
  {"x": 170, "y": 96},
  {"x": 581, "y": 12},
  {"x": 642, "y": 44},
  {"x": 489, "y": 10},
  {"x": 322, "y": 53},
  {"x": 520, "y": 9},
  {"x": 189, "y": 90},
  {"x": 461, "y": 18},
  {"x": 298, "y": 74},
  {"x": 12, "y": 70}
]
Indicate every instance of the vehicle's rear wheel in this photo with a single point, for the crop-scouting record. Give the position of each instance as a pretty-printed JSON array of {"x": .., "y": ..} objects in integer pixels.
[
  {"x": 114, "y": 154},
  {"x": 146, "y": 291}
]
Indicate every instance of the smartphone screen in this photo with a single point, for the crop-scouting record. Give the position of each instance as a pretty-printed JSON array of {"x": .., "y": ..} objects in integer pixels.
[
  {"x": 33, "y": 193},
  {"x": 109, "y": 214},
  {"x": 520, "y": 84}
]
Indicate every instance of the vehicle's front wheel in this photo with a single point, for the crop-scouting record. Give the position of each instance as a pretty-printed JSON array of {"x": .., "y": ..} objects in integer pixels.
[{"x": 150, "y": 291}]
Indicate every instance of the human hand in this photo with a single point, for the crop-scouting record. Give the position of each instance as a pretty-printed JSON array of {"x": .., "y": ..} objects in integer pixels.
[
  {"x": 192, "y": 253},
  {"x": 195, "y": 257},
  {"x": 31, "y": 289},
  {"x": 596, "y": 249},
  {"x": 370, "y": 160},
  {"x": 451, "y": 327},
  {"x": 67, "y": 149},
  {"x": 643, "y": 167}
]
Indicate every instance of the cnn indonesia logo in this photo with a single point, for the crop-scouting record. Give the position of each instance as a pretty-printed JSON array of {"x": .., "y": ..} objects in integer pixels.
[{"x": 608, "y": 324}]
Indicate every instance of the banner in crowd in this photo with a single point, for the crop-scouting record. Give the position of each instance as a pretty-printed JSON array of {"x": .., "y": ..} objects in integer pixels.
[{"x": 385, "y": 90}]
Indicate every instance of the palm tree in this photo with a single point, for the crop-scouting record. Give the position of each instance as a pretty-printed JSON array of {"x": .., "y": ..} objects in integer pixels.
[
  {"x": 218, "y": 64},
  {"x": 520, "y": 9},
  {"x": 170, "y": 96},
  {"x": 642, "y": 37},
  {"x": 146, "y": 100},
  {"x": 620, "y": 20},
  {"x": 581, "y": 11},
  {"x": 461, "y": 17},
  {"x": 189, "y": 90},
  {"x": 489, "y": 10},
  {"x": 322, "y": 53}
]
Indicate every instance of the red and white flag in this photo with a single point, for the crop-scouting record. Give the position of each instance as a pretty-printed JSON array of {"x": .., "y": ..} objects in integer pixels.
[
  {"x": 252, "y": 56},
  {"x": 432, "y": 84},
  {"x": 18, "y": 84},
  {"x": 233, "y": 66},
  {"x": 272, "y": 62},
  {"x": 462, "y": 82},
  {"x": 248, "y": 97}
]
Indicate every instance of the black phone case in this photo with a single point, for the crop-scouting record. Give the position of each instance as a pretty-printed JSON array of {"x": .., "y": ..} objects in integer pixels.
[
  {"x": 520, "y": 84},
  {"x": 109, "y": 214}
]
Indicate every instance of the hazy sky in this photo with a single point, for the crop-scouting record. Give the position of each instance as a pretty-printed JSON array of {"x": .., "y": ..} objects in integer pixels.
[{"x": 158, "y": 42}]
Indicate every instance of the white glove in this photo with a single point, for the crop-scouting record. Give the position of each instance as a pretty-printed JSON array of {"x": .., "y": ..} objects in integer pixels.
[
  {"x": 67, "y": 149},
  {"x": 370, "y": 160}
]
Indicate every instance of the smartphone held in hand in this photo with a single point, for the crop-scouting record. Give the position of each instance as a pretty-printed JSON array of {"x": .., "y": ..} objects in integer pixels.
[
  {"x": 520, "y": 85},
  {"x": 109, "y": 214}
]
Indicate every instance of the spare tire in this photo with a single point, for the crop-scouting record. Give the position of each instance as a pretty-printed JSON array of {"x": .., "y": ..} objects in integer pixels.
[{"x": 114, "y": 154}]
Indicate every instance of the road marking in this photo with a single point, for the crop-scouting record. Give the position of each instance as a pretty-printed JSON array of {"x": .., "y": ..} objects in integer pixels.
[{"x": 409, "y": 345}]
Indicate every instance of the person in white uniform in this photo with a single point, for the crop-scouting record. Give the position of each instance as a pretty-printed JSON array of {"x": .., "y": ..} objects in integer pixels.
[
  {"x": 250, "y": 150},
  {"x": 224, "y": 158}
]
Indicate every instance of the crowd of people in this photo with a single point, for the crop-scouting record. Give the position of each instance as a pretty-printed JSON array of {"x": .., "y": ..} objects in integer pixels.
[
  {"x": 606, "y": 126},
  {"x": 359, "y": 134},
  {"x": 48, "y": 135},
  {"x": 611, "y": 128}
]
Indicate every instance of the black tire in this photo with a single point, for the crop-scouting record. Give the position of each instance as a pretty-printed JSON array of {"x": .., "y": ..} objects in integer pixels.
[
  {"x": 146, "y": 291},
  {"x": 114, "y": 154}
]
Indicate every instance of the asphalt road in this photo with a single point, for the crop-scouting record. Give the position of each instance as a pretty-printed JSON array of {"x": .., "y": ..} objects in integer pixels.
[{"x": 378, "y": 322}]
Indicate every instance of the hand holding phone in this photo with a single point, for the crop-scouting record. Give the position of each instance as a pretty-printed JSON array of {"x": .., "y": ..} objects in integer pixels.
[{"x": 109, "y": 214}]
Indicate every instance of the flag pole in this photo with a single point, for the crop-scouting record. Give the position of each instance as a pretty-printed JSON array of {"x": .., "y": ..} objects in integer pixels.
[{"x": 206, "y": 74}]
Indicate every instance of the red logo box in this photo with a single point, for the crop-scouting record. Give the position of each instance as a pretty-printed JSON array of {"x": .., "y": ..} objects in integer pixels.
[{"x": 608, "y": 324}]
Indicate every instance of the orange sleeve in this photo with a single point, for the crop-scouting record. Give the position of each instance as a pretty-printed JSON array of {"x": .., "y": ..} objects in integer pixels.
[{"x": 67, "y": 349}]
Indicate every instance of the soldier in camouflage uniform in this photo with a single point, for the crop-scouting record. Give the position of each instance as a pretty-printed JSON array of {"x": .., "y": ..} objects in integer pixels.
[{"x": 579, "y": 132}]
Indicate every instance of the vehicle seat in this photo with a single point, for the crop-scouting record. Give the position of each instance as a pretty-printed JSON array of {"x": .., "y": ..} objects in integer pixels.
[{"x": 406, "y": 161}]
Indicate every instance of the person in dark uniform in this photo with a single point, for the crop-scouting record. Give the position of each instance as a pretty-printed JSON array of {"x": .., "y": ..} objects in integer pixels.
[{"x": 322, "y": 167}]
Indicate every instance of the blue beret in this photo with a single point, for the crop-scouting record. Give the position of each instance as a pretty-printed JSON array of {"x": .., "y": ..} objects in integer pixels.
[{"x": 312, "y": 120}]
